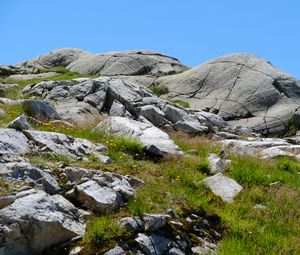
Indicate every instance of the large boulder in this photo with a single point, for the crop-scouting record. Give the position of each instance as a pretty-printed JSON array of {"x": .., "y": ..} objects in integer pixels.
[
  {"x": 241, "y": 88},
  {"x": 40, "y": 110},
  {"x": 134, "y": 62},
  {"x": 62, "y": 145},
  {"x": 23, "y": 173},
  {"x": 101, "y": 192},
  {"x": 153, "y": 139},
  {"x": 35, "y": 221},
  {"x": 55, "y": 58}
]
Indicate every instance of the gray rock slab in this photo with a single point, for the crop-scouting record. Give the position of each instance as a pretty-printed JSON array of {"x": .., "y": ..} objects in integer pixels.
[
  {"x": 19, "y": 123},
  {"x": 153, "y": 139},
  {"x": 25, "y": 77},
  {"x": 13, "y": 142},
  {"x": 239, "y": 86},
  {"x": 222, "y": 186},
  {"x": 30, "y": 220}
]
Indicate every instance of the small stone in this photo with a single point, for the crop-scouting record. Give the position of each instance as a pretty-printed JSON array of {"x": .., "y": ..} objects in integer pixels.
[
  {"x": 259, "y": 207},
  {"x": 20, "y": 123},
  {"x": 105, "y": 159}
]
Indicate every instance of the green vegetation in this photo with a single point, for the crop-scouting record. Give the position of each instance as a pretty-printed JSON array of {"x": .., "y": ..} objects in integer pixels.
[
  {"x": 159, "y": 90},
  {"x": 181, "y": 103},
  {"x": 292, "y": 126},
  {"x": 102, "y": 231},
  {"x": 11, "y": 112},
  {"x": 5, "y": 187}
]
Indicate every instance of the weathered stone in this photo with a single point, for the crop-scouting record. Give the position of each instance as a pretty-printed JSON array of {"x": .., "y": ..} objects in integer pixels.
[
  {"x": 56, "y": 58},
  {"x": 24, "y": 173},
  {"x": 135, "y": 62},
  {"x": 154, "y": 115},
  {"x": 152, "y": 245},
  {"x": 117, "y": 109},
  {"x": 25, "y": 77},
  {"x": 239, "y": 86},
  {"x": 190, "y": 126},
  {"x": 30, "y": 220},
  {"x": 105, "y": 159},
  {"x": 133, "y": 224},
  {"x": 115, "y": 251},
  {"x": 153, "y": 222},
  {"x": 174, "y": 114},
  {"x": 20, "y": 123},
  {"x": 175, "y": 251},
  {"x": 243, "y": 147},
  {"x": 13, "y": 141},
  {"x": 61, "y": 144},
  {"x": 217, "y": 164},
  {"x": 40, "y": 110},
  {"x": 223, "y": 187},
  {"x": 94, "y": 197},
  {"x": 274, "y": 152},
  {"x": 154, "y": 140}
]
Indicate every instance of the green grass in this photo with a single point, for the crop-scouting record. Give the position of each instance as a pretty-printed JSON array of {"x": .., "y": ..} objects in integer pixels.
[
  {"x": 102, "y": 232},
  {"x": 159, "y": 89},
  {"x": 181, "y": 103},
  {"x": 11, "y": 112}
]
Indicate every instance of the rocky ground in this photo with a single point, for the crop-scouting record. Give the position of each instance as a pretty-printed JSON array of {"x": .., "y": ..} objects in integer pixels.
[{"x": 135, "y": 153}]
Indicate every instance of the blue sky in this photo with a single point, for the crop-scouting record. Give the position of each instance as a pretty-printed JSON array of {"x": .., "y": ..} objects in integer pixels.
[{"x": 193, "y": 31}]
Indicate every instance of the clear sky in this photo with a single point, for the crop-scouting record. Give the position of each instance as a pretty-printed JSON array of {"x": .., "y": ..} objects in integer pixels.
[{"x": 191, "y": 30}]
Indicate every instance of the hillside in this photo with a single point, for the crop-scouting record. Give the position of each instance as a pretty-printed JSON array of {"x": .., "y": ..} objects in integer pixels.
[{"x": 136, "y": 153}]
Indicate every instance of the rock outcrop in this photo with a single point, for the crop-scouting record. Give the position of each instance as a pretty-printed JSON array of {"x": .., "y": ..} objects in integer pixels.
[
  {"x": 85, "y": 99},
  {"x": 154, "y": 141},
  {"x": 134, "y": 62},
  {"x": 158, "y": 234},
  {"x": 241, "y": 88}
]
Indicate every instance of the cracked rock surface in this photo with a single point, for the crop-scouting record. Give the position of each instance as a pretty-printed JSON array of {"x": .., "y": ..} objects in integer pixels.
[
  {"x": 241, "y": 88},
  {"x": 133, "y": 62}
]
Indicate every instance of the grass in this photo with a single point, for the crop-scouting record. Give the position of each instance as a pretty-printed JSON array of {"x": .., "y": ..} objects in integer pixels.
[
  {"x": 102, "y": 232},
  {"x": 159, "y": 89},
  {"x": 181, "y": 103},
  {"x": 11, "y": 112}
]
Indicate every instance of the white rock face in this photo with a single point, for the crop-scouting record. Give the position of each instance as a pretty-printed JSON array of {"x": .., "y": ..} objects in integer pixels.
[
  {"x": 223, "y": 187},
  {"x": 153, "y": 139},
  {"x": 36, "y": 221}
]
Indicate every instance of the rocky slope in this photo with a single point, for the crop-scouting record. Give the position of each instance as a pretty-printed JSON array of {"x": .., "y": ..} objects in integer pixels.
[{"x": 58, "y": 179}]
